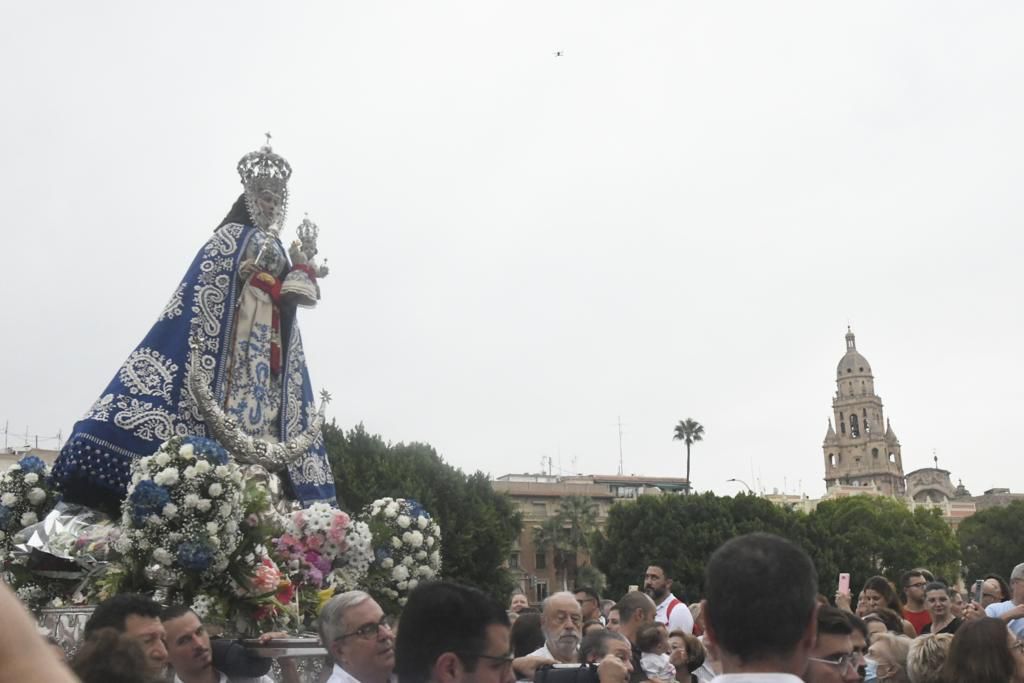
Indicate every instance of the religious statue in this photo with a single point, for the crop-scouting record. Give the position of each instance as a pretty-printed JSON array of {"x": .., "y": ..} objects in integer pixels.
[{"x": 224, "y": 359}]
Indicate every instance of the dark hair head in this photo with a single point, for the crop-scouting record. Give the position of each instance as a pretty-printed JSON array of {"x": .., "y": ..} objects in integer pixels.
[
  {"x": 107, "y": 656},
  {"x": 443, "y": 617},
  {"x": 664, "y": 565},
  {"x": 648, "y": 636},
  {"x": 590, "y": 592},
  {"x": 1004, "y": 587},
  {"x": 979, "y": 653},
  {"x": 892, "y": 620},
  {"x": 175, "y": 611},
  {"x": 527, "y": 634},
  {"x": 111, "y": 613},
  {"x": 881, "y": 585},
  {"x": 936, "y": 586},
  {"x": 905, "y": 577},
  {"x": 857, "y": 624},
  {"x": 595, "y": 644},
  {"x": 589, "y": 624},
  {"x": 747, "y": 620},
  {"x": 833, "y": 621}
]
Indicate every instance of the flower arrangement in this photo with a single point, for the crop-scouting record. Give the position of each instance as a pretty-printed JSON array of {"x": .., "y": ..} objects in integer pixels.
[
  {"x": 321, "y": 548},
  {"x": 25, "y": 498},
  {"x": 180, "y": 519},
  {"x": 407, "y": 549}
]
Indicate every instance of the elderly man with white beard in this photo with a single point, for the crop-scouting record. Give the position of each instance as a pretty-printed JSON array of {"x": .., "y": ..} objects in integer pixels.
[{"x": 562, "y": 623}]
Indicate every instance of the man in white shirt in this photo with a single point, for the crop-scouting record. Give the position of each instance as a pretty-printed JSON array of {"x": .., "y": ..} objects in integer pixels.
[
  {"x": 561, "y": 621},
  {"x": 1012, "y": 610},
  {"x": 761, "y": 609},
  {"x": 359, "y": 638},
  {"x": 190, "y": 653},
  {"x": 671, "y": 611}
]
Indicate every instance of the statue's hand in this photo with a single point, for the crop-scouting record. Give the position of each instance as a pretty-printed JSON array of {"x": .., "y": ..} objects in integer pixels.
[
  {"x": 246, "y": 268},
  {"x": 295, "y": 251}
]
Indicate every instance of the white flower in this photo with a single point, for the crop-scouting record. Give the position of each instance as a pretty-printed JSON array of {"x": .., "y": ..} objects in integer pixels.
[
  {"x": 236, "y": 476},
  {"x": 426, "y": 572},
  {"x": 430, "y": 541},
  {"x": 123, "y": 544},
  {"x": 404, "y": 521},
  {"x": 14, "y": 468},
  {"x": 187, "y": 451},
  {"x": 231, "y": 526},
  {"x": 167, "y": 477},
  {"x": 391, "y": 510},
  {"x": 416, "y": 539},
  {"x": 413, "y": 583},
  {"x": 203, "y": 466},
  {"x": 56, "y": 602},
  {"x": 204, "y": 505},
  {"x": 402, "y": 601},
  {"x": 170, "y": 510},
  {"x": 162, "y": 459},
  {"x": 402, "y": 585},
  {"x": 36, "y": 496},
  {"x": 190, "y": 472},
  {"x": 215, "y": 490},
  {"x": 155, "y": 520},
  {"x": 163, "y": 556},
  {"x": 144, "y": 462},
  {"x": 225, "y": 510},
  {"x": 28, "y": 519},
  {"x": 221, "y": 471},
  {"x": 191, "y": 500},
  {"x": 31, "y": 478},
  {"x": 214, "y": 541},
  {"x": 421, "y": 555},
  {"x": 9, "y": 500},
  {"x": 212, "y": 528},
  {"x": 408, "y": 561},
  {"x": 387, "y": 563},
  {"x": 400, "y": 573},
  {"x": 435, "y": 558},
  {"x": 396, "y": 542},
  {"x": 422, "y": 522}
]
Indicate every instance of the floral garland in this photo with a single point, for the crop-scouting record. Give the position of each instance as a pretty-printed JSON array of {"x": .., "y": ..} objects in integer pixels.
[
  {"x": 407, "y": 549},
  {"x": 26, "y": 497}
]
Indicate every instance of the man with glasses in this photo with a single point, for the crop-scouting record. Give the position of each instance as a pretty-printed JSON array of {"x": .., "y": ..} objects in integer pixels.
[
  {"x": 1012, "y": 611},
  {"x": 590, "y": 604},
  {"x": 833, "y": 659},
  {"x": 358, "y": 636},
  {"x": 561, "y": 620},
  {"x": 453, "y": 634},
  {"x": 914, "y": 609}
]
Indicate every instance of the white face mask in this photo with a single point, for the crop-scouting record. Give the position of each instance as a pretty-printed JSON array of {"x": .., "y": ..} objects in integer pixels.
[{"x": 870, "y": 670}]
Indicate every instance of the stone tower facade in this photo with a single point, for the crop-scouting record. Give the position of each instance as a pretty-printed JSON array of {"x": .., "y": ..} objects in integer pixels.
[{"x": 858, "y": 452}]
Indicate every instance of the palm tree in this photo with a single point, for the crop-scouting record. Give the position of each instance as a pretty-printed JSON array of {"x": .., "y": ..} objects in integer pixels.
[
  {"x": 567, "y": 533},
  {"x": 550, "y": 534},
  {"x": 689, "y": 431}
]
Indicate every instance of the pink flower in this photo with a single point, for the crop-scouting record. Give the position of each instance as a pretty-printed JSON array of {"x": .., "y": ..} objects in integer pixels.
[
  {"x": 267, "y": 577},
  {"x": 314, "y": 542}
]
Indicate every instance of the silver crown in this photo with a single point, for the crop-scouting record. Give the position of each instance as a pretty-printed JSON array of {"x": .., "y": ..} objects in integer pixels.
[
  {"x": 307, "y": 231},
  {"x": 263, "y": 173}
]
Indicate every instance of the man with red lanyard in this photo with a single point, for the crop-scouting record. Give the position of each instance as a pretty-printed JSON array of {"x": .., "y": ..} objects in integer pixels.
[{"x": 671, "y": 611}]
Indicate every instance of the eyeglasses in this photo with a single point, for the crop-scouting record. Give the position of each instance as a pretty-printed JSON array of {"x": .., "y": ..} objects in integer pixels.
[
  {"x": 367, "y": 631},
  {"x": 842, "y": 662}
]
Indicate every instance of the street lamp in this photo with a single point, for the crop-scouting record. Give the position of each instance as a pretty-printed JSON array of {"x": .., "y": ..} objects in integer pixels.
[{"x": 740, "y": 481}]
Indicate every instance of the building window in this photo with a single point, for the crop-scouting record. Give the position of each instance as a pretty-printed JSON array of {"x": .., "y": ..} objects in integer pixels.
[
  {"x": 854, "y": 428},
  {"x": 892, "y": 457},
  {"x": 842, "y": 424},
  {"x": 541, "y": 561},
  {"x": 513, "y": 561},
  {"x": 542, "y": 591},
  {"x": 540, "y": 509},
  {"x": 832, "y": 459},
  {"x": 874, "y": 453}
]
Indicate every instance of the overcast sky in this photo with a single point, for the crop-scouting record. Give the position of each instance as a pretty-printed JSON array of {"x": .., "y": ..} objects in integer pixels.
[{"x": 677, "y": 217}]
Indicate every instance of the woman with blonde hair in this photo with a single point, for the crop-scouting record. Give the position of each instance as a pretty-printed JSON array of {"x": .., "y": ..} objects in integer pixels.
[
  {"x": 887, "y": 659},
  {"x": 926, "y": 657}
]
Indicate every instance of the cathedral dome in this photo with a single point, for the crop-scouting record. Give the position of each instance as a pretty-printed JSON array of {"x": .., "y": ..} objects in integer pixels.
[{"x": 852, "y": 364}]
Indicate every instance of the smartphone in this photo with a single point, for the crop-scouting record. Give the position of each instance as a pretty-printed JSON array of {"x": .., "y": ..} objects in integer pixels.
[
  {"x": 844, "y": 583},
  {"x": 633, "y": 587},
  {"x": 976, "y": 591}
]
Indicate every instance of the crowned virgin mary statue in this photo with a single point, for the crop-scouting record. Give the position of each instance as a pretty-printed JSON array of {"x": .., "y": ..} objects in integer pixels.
[{"x": 223, "y": 360}]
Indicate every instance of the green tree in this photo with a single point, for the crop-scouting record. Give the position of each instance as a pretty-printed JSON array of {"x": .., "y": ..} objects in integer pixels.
[
  {"x": 689, "y": 431},
  {"x": 869, "y": 535},
  {"x": 478, "y": 525},
  {"x": 991, "y": 540},
  {"x": 568, "y": 533}
]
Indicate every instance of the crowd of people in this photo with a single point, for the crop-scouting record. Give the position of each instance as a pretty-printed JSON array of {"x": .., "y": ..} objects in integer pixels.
[{"x": 761, "y": 621}]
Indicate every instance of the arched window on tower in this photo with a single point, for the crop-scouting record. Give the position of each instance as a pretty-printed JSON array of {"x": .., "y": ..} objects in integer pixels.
[
  {"x": 867, "y": 426},
  {"x": 832, "y": 459},
  {"x": 892, "y": 457},
  {"x": 854, "y": 427},
  {"x": 842, "y": 424},
  {"x": 874, "y": 453}
]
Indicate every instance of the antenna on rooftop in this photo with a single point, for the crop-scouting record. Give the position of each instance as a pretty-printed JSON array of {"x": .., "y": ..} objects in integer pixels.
[{"x": 620, "y": 445}]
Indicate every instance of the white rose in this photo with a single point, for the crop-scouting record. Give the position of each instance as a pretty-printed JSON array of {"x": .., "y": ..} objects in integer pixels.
[
  {"x": 162, "y": 459},
  {"x": 167, "y": 476},
  {"x": 404, "y": 521},
  {"x": 215, "y": 490},
  {"x": 212, "y": 528},
  {"x": 202, "y": 467},
  {"x": 162, "y": 556},
  {"x": 36, "y": 496},
  {"x": 421, "y": 555},
  {"x": 422, "y": 522},
  {"x": 387, "y": 563},
  {"x": 413, "y": 583},
  {"x": 144, "y": 462},
  {"x": 435, "y": 558},
  {"x": 190, "y": 472},
  {"x": 155, "y": 520},
  {"x": 28, "y": 519},
  {"x": 191, "y": 500},
  {"x": 426, "y": 572},
  {"x": 396, "y": 542},
  {"x": 31, "y": 478},
  {"x": 408, "y": 561},
  {"x": 430, "y": 541},
  {"x": 416, "y": 539},
  {"x": 225, "y": 510},
  {"x": 187, "y": 451},
  {"x": 170, "y": 510},
  {"x": 204, "y": 505},
  {"x": 402, "y": 601},
  {"x": 400, "y": 573},
  {"x": 9, "y": 500},
  {"x": 221, "y": 471},
  {"x": 391, "y": 510},
  {"x": 231, "y": 526},
  {"x": 402, "y": 585}
]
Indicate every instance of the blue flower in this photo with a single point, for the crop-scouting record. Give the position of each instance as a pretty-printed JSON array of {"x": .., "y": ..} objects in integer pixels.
[
  {"x": 147, "y": 499},
  {"x": 6, "y": 515},
  {"x": 195, "y": 557},
  {"x": 207, "y": 449},
  {"x": 31, "y": 463},
  {"x": 415, "y": 509}
]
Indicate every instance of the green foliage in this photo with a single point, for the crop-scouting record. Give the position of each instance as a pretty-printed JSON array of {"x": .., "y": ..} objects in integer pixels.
[
  {"x": 478, "y": 525},
  {"x": 991, "y": 540},
  {"x": 862, "y": 535},
  {"x": 689, "y": 431},
  {"x": 567, "y": 533}
]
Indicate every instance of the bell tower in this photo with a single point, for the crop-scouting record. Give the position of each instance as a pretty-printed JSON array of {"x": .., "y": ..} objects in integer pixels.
[{"x": 858, "y": 452}]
